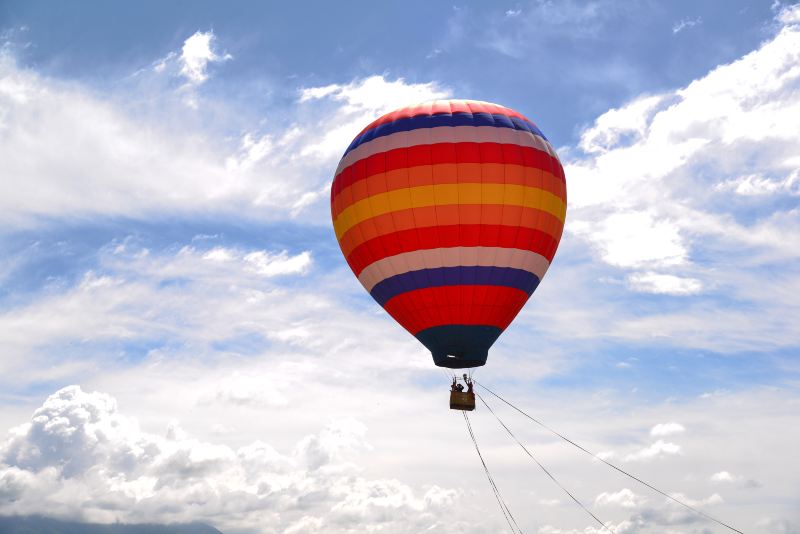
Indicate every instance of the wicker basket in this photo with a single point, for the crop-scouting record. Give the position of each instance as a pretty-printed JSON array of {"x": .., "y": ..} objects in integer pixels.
[{"x": 461, "y": 400}]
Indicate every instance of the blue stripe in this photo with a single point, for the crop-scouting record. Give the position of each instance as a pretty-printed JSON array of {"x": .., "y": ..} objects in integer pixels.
[
  {"x": 445, "y": 119},
  {"x": 454, "y": 276}
]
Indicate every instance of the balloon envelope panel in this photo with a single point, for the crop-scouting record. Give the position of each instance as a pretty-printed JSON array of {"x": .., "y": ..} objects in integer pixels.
[{"x": 449, "y": 213}]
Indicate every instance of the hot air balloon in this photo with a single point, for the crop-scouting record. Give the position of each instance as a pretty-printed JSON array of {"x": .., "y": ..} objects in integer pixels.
[{"x": 449, "y": 213}]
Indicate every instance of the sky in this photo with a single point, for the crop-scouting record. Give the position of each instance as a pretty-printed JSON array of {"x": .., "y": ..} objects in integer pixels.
[{"x": 181, "y": 339}]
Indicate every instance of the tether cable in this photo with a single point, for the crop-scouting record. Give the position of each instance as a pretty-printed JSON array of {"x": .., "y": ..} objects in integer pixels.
[
  {"x": 503, "y": 506},
  {"x": 609, "y": 464},
  {"x": 546, "y": 471}
]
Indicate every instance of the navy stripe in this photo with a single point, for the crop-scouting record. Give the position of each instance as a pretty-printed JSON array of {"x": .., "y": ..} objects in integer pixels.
[
  {"x": 454, "y": 276},
  {"x": 459, "y": 346},
  {"x": 445, "y": 119}
]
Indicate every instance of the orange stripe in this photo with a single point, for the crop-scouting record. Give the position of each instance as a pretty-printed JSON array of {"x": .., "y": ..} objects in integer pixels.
[
  {"x": 449, "y": 214},
  {"x": 448, "y": 194},
  {"x": 448, "y": 173}
]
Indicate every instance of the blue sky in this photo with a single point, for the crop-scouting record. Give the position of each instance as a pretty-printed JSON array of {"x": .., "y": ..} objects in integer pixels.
[{"x": 181, "y": 339}]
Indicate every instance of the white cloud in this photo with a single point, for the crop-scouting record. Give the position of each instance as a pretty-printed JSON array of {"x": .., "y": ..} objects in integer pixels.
[
  {"x": 712, "y": 499},
  {"x": 264, "y": 263},
  {"x": 657, "y": 161},
  {"x": 190, "y": 65},
  {"x": 650, "y": 282},
  {"x": 625, "y": 125},
  {"x": 688, "y": 193},
  {"x": 79, "y": 457},
  {"x": 196, "y": 54},
  {"x": 268, "y": 264},
  {"x": 667, "y": 429},
  {"x": 375, "y": 94},
  {"x": 362, "y": 101},
  {"x": 722, "y": 476},
  {"x": 655, "y": 450},
  {"x": 686, "y": 23},
  {"x": 635, "y": 239},
  {"x": 790, "y": 14},
  {"x": 69, "y": 151},
  {"x": 193, "y": 294},
  {"x": 624, "y": 498},
  {"x": 757, "y": 185}
]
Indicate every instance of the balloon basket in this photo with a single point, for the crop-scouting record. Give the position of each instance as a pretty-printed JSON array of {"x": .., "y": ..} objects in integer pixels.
[{"x": 462, "y": 400}]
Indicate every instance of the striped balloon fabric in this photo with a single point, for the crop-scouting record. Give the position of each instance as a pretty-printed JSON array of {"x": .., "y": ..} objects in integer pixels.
[{"x": 449, "y": 213}]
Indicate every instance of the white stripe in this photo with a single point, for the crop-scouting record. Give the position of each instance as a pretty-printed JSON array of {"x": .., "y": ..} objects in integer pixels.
[
  {"x": 453, "y": 257},
  {"x": 445, "y": 134}
]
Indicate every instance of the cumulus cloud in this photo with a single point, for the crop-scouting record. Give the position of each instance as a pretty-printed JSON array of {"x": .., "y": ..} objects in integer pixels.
[
  {"x": 688, "y": 193},
  {"x": 634, "y": 239},
  {"x": 667, "y": 429},
  {"x": 196, "y": 54},
  {"x": 712, "y": 499},
  {"x": 726, "y": 477},
  {"x": 658, "y": 449},
  {"x": 789, "y": 14},
  {"x": 646, "y": 158},
  {"x": 624, "y": 498},
  {"x": 80, "y": 457},
  {"x": 722, "y": 476}
]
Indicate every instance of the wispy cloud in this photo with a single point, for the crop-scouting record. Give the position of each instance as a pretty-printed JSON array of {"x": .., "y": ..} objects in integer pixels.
[
  {"x": 69, "y": 152},
  {"x": 360, "y": 102},
  {"x": 191, "y": 64},
  {"x": 687, "y": 23}
]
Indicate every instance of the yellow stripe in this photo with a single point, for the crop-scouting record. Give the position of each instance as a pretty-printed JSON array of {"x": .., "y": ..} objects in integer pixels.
[{"x": 445, "y": 194}]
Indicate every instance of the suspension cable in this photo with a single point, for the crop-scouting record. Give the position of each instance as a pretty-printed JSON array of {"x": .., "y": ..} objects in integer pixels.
[
  {"x": 629, "y": 475},
  {"x": 543, "y": 468},
  {"x": 503, "y": 506}
]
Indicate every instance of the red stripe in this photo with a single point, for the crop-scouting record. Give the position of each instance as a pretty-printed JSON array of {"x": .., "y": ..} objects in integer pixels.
[
  {"x": 470, "y": 305},
  {"x": 457, "y": 235},
  {"x": 443, "y": 106},
  {"x": 401, "y": 158}
]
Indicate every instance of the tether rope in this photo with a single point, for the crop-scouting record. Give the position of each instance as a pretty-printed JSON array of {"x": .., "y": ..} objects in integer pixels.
[
  {"x": 546, "y": 471},
  {"x": 503, "y": 506},
  {"x": 609, "y": 464}
]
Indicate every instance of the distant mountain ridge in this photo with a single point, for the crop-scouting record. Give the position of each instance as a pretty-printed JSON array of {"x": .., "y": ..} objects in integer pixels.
[{"x": 45, "y": 525}]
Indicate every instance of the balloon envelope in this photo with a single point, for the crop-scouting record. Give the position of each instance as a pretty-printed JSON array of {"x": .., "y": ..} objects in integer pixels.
[{"x": 449, "y": 213}]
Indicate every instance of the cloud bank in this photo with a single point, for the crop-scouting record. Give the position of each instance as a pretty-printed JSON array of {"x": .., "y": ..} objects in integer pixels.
[{"x": 80, "y": 458}]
